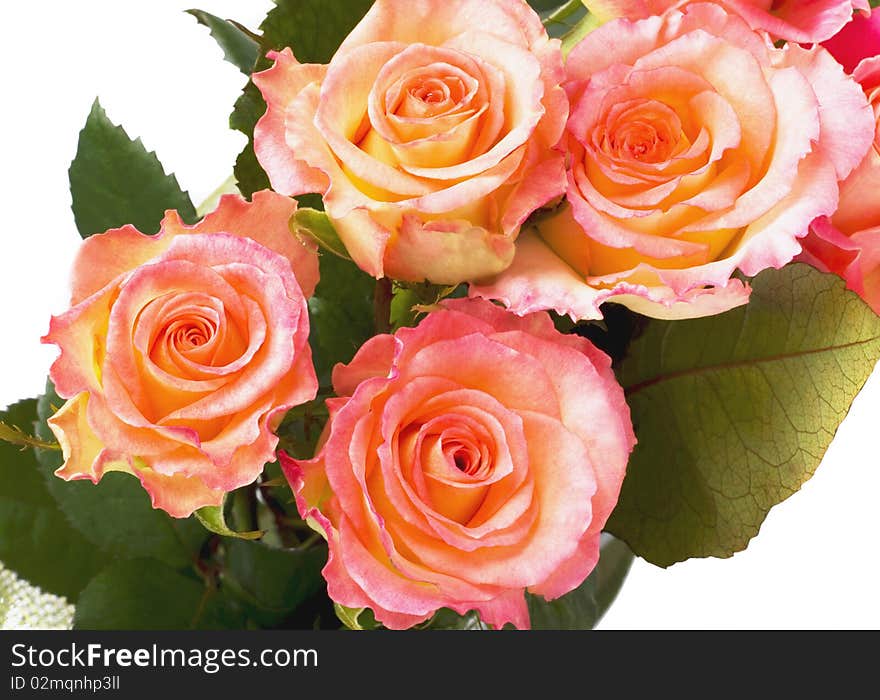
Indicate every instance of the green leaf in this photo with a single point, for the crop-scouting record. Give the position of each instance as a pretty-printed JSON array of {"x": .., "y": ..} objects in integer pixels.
[
  {"x": 348, "y": 616},
  {"x": 312, "y": 201},
  {"x": 355, "y": 618},
  {"x": 240, "y": 49},
  {"x": 412, "y": 300},
  {"x": 341, "y": 312},
  {"x": 316, "y": 225},
  {"x": 272, "y": 582},
  {"x": 544, "y": 6},
  {"x": 213, "y": 519},
  {"x": 446, "y": 619},
  {"x": 114, "y": 181},
  {"x": 582, "y": 27},
  {"x": 116, "y": 514},
  {"x": 21, "y": 416},
  {"x": 248, "y": 109},
  {"x": 35, "y": 539},
  {"x": 302, "y": 426},
  {"x": 582, "y": 608},
  {"x": 615, "y": 562},
  {"x": 570, "y": 21},
  {"x": 404, "y": 311},
  {"x": 562, "y": 18},
  {"x": 314, "y": 29},
  {"x": 734, "y": 412},
  {"x": 146, "y": 594}
]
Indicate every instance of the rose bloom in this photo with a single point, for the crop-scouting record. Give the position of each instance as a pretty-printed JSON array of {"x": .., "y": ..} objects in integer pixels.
[
  {"x": 696, "y": 149},
  {"x": 803, "y": 21},
  {"x": 848, "y": 243},
  {"x": 468, "y": 460},
  {"x": 181, "y": 351},
  {"x": 430, "y": 134}
]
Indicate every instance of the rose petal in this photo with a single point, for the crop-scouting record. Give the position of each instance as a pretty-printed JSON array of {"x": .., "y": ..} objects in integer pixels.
[
  {"x": 177, "y": 495},
  {"x": 280, "y": 85},
  {"x": 265, "y": 220},
  {"x": 84, "y": 455}
]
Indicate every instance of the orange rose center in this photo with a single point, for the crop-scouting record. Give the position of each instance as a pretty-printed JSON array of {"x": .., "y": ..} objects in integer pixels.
[
  {"x": 190, "y": 331},
  {"x": 465, "y": 456},
  {"x": 648, "y": 132},
  {"x": 450, "y": 461},
  {"x": 429, "y": 108},
  {"x": 424, "y": 97},
  {"x": 423, "y": 94},
  {"x": 187, "y": 334}
]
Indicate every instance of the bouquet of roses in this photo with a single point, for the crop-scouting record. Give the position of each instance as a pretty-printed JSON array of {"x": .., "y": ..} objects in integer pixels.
[{"x": 501, "y": 294}]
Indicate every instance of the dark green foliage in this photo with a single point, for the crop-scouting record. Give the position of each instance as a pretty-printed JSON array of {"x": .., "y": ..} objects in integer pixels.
[
  {"x": 734, "y": 412},
  {"x": 114, "y": 181}
]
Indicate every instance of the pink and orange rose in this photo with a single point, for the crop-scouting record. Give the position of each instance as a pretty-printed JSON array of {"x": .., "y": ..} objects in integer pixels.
[
  {"x": 468, "y": 460},
  {"x": 848, "y": 242},
  {"x": 696, "y": 149},
  {"x": 430, "y": 134},
  {"x": 803, "y": 21},
  {"x": 181, "y": 351}
]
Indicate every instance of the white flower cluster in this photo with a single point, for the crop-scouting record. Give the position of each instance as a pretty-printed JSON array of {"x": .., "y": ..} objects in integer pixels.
[{"x": 26, "y": 607}]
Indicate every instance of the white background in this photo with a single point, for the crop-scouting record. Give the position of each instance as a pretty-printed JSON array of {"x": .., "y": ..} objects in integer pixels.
[{"x": 815, "y": 562}]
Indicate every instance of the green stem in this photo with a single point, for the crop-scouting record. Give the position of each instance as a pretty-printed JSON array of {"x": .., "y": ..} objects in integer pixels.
[
  {"x": 382, "y": 305},
  {"x": 203, "y": 602},
  {"x": 14, "y": 435},
  {"x": 312, "y": 539}
]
